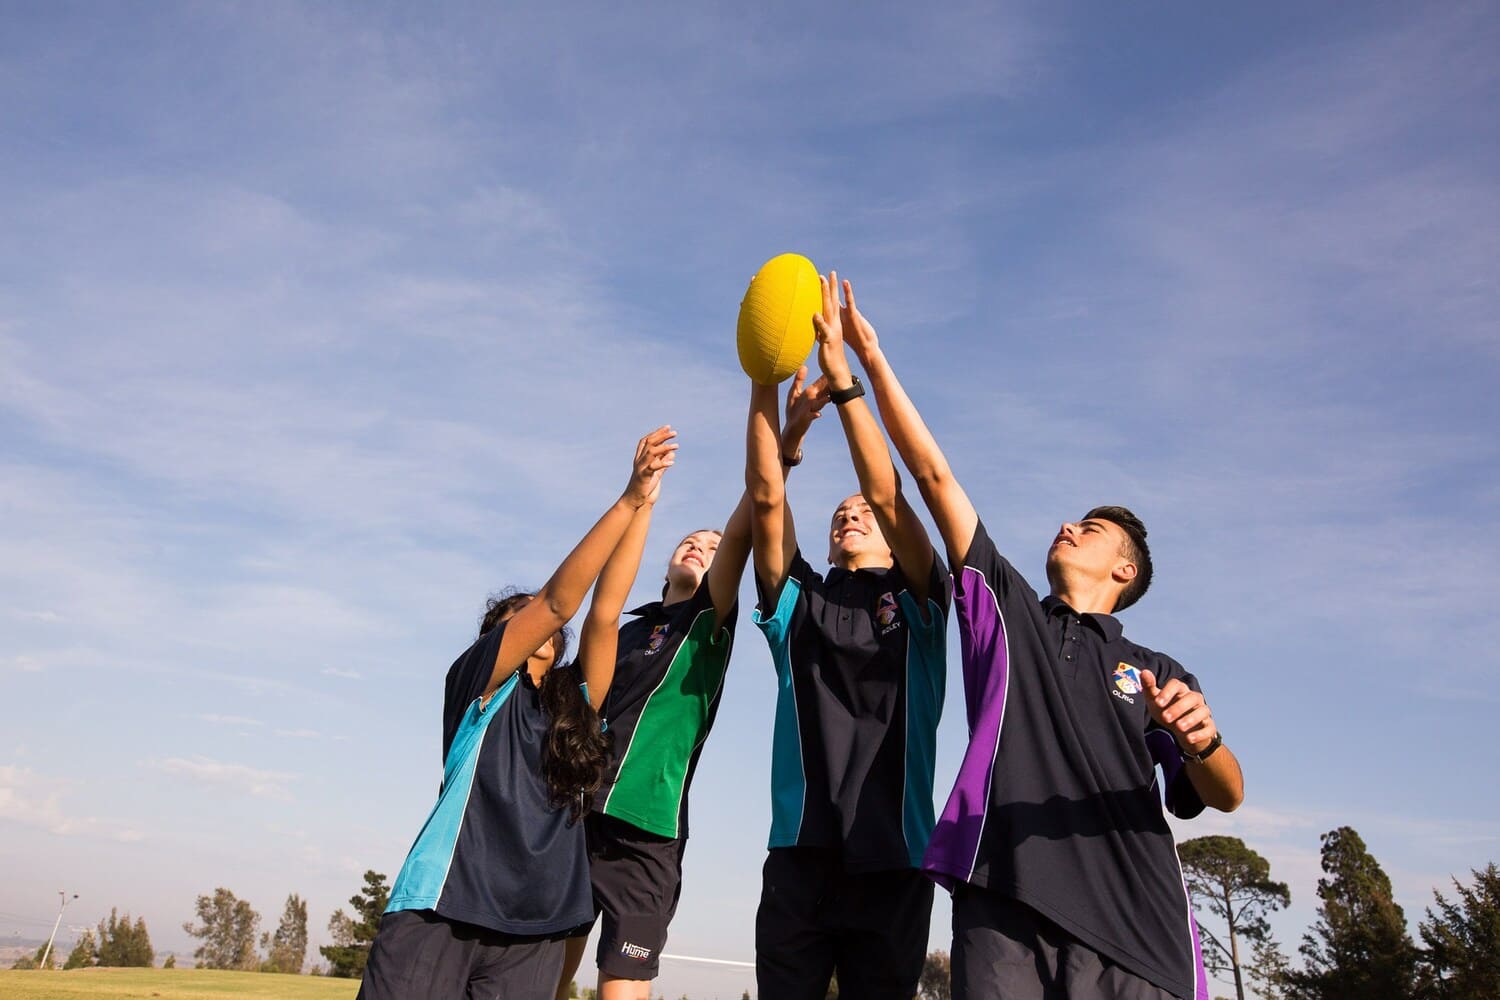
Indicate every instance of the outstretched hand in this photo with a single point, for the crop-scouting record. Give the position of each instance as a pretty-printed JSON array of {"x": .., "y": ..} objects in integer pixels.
[
  {"x": 805, "y": 401},
  {"x": 1181, "y": 711},
  {"x": 858, "y": 333},
  {"x": 830, "y": 330},
  {"x": 654, "y": 455}
]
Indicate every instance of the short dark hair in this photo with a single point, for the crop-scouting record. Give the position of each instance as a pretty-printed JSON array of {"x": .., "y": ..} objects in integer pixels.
[{"x": 1137, "y": 551}]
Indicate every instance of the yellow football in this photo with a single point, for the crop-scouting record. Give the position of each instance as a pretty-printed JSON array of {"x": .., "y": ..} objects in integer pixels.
[{"x": 775, "y": 330}]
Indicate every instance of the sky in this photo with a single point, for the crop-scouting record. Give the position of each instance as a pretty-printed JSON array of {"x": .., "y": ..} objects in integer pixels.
[{"x": 319, "y": 322}]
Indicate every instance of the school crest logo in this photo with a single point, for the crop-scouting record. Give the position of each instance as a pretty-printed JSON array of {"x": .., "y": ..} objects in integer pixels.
[
  {"x": 658, "y": 636},
  {"x": 887, "y": 612},
  {"x": 1127, "y": 678}
]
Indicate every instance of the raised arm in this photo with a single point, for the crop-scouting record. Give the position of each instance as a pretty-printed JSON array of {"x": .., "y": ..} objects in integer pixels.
[
  {"x": 919, "y": 451},
  {"x": 772, "y": 533},
  {"x": 558, "y": 600},
  {"x": 878, "y": 483},
  {"x": 599, "y": 644}
]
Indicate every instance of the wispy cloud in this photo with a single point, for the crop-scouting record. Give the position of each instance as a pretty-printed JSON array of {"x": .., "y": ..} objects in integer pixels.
[
  {"x": 31, "y": 799},
  {"x": 239, "y": 778}
]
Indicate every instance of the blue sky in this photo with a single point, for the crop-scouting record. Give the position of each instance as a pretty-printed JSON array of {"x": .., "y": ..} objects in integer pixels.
[{"x": 319, "y": 322}]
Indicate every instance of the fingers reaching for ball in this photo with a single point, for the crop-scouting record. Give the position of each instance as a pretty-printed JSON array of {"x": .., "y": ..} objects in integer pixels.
[
  {"x": 654, "y": 454},
  {"x": 858, "y": 333}
]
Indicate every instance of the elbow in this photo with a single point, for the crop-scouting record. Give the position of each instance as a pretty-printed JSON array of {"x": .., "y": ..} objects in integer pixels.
[
  {"x": 557, "y": 609},
  {"x": 931, "y": 476},
  {"x": 766, "y": 495}
]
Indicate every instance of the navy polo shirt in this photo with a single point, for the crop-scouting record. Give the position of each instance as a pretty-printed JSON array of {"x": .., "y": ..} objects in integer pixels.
[
  {"x": 861, "y": 673},
  {"x": 1057, "y": 802},
  {"x": 660, "y": 708},
  {"x": 494, "y": 852}
]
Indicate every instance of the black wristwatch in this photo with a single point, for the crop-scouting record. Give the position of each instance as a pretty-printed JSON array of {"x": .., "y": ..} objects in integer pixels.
[
  {"x": 1208, "y": 751},
  {"x": 838, "y": 397}
]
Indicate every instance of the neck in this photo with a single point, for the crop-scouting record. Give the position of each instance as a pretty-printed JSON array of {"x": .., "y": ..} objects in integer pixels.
[
  {"x": 679, "y": 591},
  {"x": 538, "y": 672},
  {"x": 852, "y": 561},
  {"x": 1086, "y": 600}
]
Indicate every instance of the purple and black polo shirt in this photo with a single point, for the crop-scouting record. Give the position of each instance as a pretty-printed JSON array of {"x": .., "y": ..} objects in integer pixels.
[{"x": 1056, "y": 803}]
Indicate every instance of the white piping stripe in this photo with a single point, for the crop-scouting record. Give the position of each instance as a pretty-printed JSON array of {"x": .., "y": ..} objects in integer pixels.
[{"x": 989, "y": 777}]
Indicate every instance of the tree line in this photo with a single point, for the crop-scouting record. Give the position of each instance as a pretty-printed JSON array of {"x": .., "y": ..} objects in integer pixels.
[{"x": 1359, "y": 945}]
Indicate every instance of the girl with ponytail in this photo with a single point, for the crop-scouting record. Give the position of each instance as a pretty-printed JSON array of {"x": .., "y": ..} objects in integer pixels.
[{"x": 498, "y": 875}]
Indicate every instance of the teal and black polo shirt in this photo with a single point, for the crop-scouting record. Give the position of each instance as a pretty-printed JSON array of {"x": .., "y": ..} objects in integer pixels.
[
  {"x": 861, "y": 673},
  {"x": 660, "y": 708},
  {"x": 494, "y": 852},
  {"x": 1057, "y": 803}
]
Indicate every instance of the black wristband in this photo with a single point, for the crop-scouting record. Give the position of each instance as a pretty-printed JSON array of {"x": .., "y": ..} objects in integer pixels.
[
  {"x": 838, "y": 397},
  {"x": 792, "y": 463}
]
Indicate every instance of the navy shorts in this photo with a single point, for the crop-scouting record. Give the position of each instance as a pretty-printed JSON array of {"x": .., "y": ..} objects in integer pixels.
[
  {"x": 637, "y": 880},
  {"x": 1004, "y": 948},
  {"x": 816, "y": 919},
  {"x": 418, "y": 954}
]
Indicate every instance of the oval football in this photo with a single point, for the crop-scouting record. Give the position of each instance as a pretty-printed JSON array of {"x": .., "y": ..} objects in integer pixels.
[{"x": 775, "y": 330}]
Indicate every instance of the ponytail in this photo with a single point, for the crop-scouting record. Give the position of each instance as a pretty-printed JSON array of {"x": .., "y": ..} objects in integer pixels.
[{"x": 577, "y": 749}]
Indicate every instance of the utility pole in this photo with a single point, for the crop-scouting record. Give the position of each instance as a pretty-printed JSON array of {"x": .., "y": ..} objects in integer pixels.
[{"x": 58, "y": 923}]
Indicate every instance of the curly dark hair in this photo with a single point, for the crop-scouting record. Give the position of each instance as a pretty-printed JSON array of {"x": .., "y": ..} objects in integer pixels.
[{"x": 577, "y": 749}]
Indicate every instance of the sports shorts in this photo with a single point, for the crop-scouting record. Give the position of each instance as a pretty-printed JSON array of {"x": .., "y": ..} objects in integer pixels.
[
  {"x": 418, "y": 954},
  {"x": 1004, "y": 948},
  {"x": 637, "y": 880},
  {"x": 816, "y": 919}
]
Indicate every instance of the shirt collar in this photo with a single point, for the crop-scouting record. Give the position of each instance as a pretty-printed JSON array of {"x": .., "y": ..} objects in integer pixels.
[
  {"x": 838, "y": 572},
  {"x": 1107, "y": 626},
  {"x": 649, "y": 608}
]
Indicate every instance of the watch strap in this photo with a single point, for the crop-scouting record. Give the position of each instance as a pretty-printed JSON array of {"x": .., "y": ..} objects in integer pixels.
[{"x": 838, "y": 397}]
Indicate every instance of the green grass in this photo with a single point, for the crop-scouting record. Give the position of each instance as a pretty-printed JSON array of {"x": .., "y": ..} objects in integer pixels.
[{"x": 170, "y": 984}]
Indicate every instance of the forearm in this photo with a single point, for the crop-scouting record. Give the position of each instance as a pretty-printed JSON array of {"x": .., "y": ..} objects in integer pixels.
[
  {"x": 915, "y": 444},
  {"x": 765, "y": 487},
  {"x": 563, "y": 593},
  {"x": 764, "y": 476},
  {"x": 619, "y": 572},
  {"x": 872, "y": 459},
  {"x": 1218, "y": 780}
]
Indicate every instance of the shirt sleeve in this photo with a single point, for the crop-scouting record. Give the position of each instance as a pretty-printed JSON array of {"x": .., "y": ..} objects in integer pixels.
[
  {"x": 931, "y": 619},
  {"x": 1181, "y": 798},
  {"x": 467, "y": 679},
  {"x": 776, "y": 611},
  {"x": 703, "y": 600}
]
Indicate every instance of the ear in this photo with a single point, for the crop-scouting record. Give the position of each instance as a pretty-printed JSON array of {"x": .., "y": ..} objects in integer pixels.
[{"x": 1123, "y": 573}]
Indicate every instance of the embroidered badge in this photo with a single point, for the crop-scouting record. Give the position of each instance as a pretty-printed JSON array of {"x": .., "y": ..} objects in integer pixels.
[
  {"x": 1127, "y": 678},
  {"x": 886, "y": 610},
  {"x": 658, "y": 636}
]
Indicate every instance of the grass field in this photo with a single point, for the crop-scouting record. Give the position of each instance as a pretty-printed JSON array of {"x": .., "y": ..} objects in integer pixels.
[{"x": 170, "y": 984}]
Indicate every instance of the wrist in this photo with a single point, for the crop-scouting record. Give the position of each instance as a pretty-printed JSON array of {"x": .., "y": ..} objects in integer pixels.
[{"x": 1191, "y": 756}]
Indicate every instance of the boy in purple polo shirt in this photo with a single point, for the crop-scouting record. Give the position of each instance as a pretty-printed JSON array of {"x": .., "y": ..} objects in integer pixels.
[{"x": 1065, "y": 878}]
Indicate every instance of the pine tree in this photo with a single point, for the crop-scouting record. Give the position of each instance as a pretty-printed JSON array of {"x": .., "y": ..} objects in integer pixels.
[
  {"x": 1462, "y": 957},
  {"x": 227, "y": 929},
  {"x": 351, "y": 938},
  {"x": 85, "y": 953},
  {"x": 286, "y": 950},
  {"x": 1233, "y": 883},
  {"x": 124, "y": 945},
  {"x": 1359, "y": 947}
]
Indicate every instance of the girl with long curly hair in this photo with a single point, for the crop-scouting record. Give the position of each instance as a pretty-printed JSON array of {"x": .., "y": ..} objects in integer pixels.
[{"x": 499, "y": 874}]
